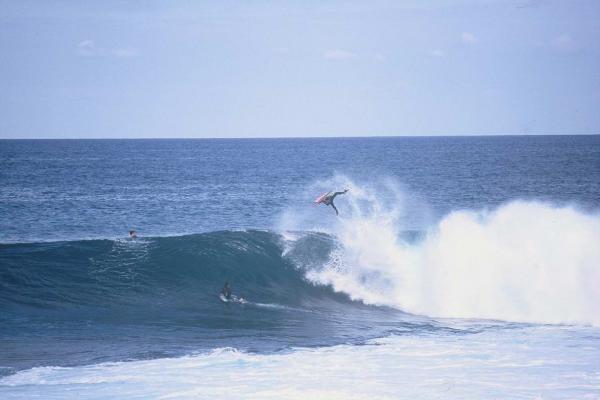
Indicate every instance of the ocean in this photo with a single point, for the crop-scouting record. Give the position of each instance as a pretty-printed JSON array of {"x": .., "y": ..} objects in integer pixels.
[{"x": 458, "y": 268}]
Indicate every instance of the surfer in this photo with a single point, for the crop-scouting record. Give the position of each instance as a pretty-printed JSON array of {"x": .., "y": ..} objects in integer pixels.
[
  {"x": 328, "y": 199},
  {"x": 132, "y": 234},
  {"x": 226, "y": 291}
]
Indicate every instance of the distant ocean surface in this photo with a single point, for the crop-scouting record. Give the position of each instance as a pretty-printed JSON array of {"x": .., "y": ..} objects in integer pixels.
[{"x": 459, "y": 267}]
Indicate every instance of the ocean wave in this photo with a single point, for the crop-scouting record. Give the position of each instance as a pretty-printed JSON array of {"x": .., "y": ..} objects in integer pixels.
[
  {"x": 523, "y": 261},
  {"x": 161, "y": 272}
]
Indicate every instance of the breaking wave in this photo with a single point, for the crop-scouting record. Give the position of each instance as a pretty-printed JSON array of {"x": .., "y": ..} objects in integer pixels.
[{"x": 524, "y": 261}]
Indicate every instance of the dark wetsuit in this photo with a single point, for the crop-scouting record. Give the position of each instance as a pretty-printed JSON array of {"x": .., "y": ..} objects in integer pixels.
[
  {"x": 226, "y": 291},
  {"x": 329, "y": 200}
]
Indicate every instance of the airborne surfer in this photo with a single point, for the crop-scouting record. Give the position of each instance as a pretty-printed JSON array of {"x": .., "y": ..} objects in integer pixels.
[{"x": 327, "y": 199}]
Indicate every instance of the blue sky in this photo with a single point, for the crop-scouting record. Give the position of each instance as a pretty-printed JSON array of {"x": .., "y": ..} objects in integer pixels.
[{"x": 110, "y": 69}]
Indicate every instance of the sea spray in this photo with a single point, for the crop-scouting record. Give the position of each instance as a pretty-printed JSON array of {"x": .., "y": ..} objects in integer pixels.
[{"x": 523, "y": 261}]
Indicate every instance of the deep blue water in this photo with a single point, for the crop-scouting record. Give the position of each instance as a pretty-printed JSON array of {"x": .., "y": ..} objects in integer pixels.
[
  {"x": 73, "y": 189},
  {"x": 74, "y": 290}
]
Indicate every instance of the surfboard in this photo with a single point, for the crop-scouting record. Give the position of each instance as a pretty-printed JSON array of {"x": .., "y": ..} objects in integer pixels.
[
  {"x": 232, "y": 299},
  {"x": 321, "y": 197}
]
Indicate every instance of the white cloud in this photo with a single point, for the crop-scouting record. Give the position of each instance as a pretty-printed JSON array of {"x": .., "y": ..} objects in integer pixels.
[
  {"x": 469, "y": 38},
  {"x": 88, "y": 48},
  {"x": 125, "y": 52},
  {"x": 563, "y": 42},
  {"x": 437, "y": 53},
  {"x": 338, "y": 54}
]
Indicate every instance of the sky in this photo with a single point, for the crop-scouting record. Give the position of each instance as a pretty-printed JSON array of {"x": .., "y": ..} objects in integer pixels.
[{"x": 176, "y": 69}]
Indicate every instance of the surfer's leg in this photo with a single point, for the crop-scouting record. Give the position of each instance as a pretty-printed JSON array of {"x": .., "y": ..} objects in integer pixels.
[{"x": 336, "y": 211}]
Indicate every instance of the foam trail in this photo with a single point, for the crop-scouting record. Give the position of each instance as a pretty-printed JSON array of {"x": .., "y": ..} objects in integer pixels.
[
  {"x": 524, "y": 261},
  {"x": 526, "y": 363}
]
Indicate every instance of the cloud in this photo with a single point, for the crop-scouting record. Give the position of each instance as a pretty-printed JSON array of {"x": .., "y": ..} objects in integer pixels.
[
  {"x": 88, "y": 48},
  {"x": 338, "y": 54},
  {"x": 563, "y": 42},
  {"x": 469, "y": 38},
  {"x": 437, "y": 53},
  {"x": 125, "y": 52}
]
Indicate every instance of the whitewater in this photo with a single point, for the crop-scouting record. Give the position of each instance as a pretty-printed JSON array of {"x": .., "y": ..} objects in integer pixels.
[
  {"x": 524, "y": 261},
  {"x": 440, "y": 366},
  {"x": 429, "y": 285}
]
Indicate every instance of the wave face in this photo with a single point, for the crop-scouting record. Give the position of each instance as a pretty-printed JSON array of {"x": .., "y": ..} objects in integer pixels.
[
  {"x": 103, "y": 296},
  {"x": 523, "y": 261},
  {"x": 161, "y": 273}
]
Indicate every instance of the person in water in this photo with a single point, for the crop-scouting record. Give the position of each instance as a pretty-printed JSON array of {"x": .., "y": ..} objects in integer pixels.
[
  {"x": 226, "y": 291},
  {"x": 132, "y": 234},
  {"x": 328, "y": 200}
]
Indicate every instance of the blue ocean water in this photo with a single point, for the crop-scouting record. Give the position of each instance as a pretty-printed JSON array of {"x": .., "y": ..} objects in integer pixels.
[
  {"x": 485, "y": 246},
  {"x": 73, "y": 189}
]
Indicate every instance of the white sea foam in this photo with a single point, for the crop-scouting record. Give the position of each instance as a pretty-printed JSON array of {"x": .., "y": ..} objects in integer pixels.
[
  {"x": 530, "y": 362},
  {"x": 524, "y": 261}
]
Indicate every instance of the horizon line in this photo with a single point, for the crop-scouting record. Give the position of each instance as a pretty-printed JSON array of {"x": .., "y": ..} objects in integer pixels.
[{"x": 304, "y": 137}]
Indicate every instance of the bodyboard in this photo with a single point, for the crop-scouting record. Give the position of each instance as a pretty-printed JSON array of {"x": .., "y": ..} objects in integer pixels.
[{"x": 322, "y": 197}]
